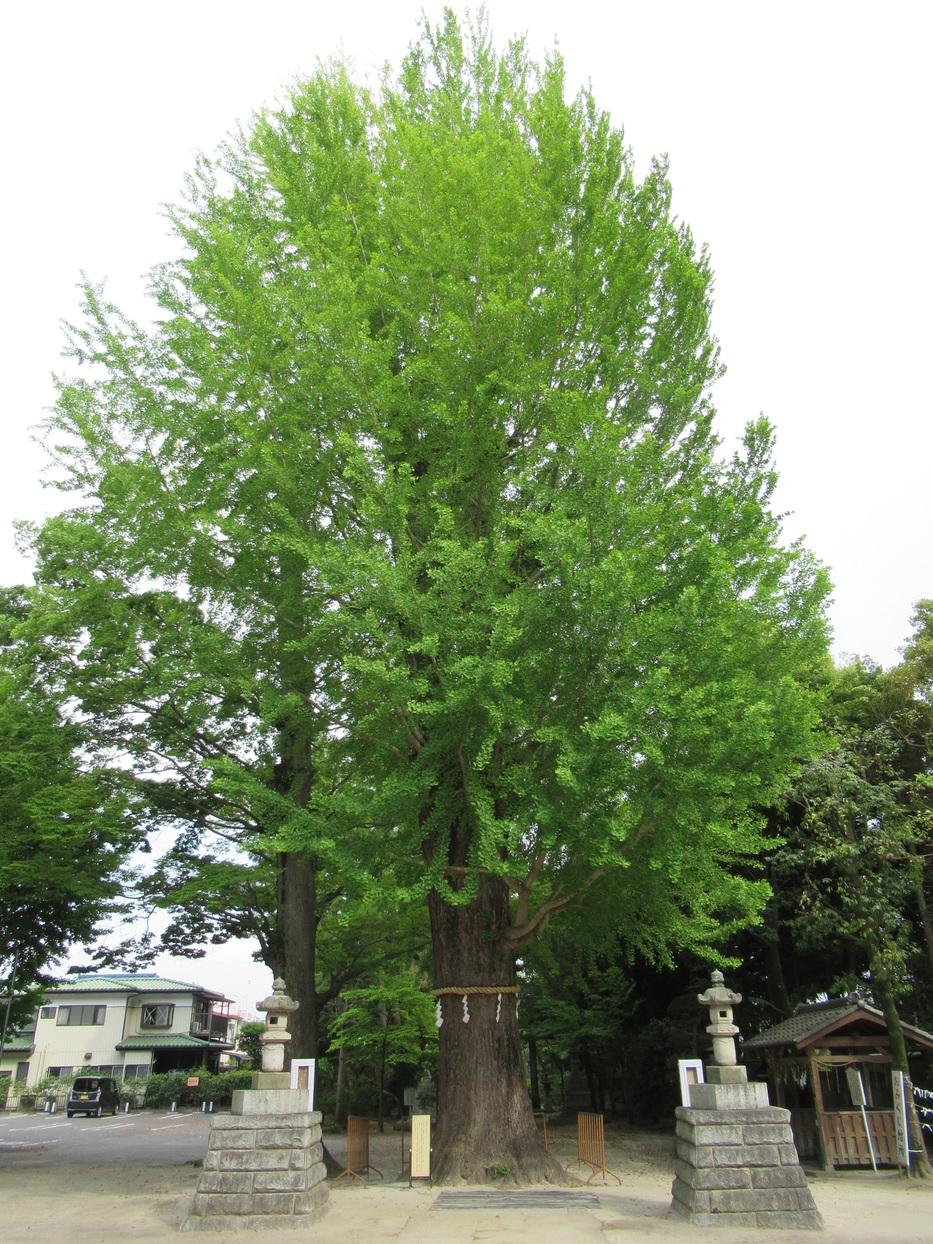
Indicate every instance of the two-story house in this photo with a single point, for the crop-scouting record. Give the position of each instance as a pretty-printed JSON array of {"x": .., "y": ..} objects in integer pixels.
[{"x": 128, "y": 1025}]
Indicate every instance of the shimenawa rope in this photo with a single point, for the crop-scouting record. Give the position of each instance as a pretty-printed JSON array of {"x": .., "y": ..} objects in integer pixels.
[{"x": 464, "y": 991}]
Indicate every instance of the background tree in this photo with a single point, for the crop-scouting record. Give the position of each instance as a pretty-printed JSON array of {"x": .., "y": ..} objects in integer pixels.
[
  {"x": 390, "y": 1024},
  {"x": 851, "y": 867},
  {"x": 406, "y": 537},
  {"x": 66, "y": 828},
  {"x": 915, "y": 678},
  {"x": 576, "y": 1002},
  {"x": 850, "y": 874},
  {"x": 248, "y": 1041}
]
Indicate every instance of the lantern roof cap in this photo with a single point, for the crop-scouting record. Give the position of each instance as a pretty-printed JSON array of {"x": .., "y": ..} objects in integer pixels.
[
  {"x": 278, "y": 1001},
  {"x": 718, "y": 994}
]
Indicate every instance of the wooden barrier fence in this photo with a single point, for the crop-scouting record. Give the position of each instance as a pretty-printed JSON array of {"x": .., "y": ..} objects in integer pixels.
[
  {"x": 591, "y": 1147},
  {"x": 357, "y": 1150},
  {"x": 846, "y": 1145}
]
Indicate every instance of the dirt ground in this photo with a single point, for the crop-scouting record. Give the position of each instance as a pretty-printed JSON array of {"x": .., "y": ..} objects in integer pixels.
[{"x": 117, "y": 1204}]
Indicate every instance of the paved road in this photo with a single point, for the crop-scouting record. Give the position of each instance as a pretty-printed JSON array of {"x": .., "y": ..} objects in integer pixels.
[{"x": 146, "y": 1136}]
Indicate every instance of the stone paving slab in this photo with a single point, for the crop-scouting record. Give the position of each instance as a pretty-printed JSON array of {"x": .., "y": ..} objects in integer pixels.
[{"x": 480, "y": 1202}]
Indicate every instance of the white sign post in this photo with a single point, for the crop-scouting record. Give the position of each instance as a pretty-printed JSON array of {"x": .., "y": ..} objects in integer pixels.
[
  {"x": 302, "y": 1077},
  {"x": 899, "y": 1090}
]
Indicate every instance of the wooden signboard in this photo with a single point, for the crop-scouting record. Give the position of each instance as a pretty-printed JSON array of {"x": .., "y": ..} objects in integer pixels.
[
  {"x": 420, "y": 1147},
  {"x": 192, "y": 1082}
]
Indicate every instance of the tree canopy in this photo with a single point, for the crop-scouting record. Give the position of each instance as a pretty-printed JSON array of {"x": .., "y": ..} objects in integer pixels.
[{"x": 852, "y": 870}]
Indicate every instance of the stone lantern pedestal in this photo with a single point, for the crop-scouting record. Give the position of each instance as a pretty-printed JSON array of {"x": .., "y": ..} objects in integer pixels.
[
  {"x": 264, "y": 1166},
  {"x": 736, "y": 1164}
]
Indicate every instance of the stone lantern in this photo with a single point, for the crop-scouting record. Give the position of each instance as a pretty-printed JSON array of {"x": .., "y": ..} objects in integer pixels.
[
  {"x": 726, "y": 1084},
  {"x": 278, "y": 1006},
  {"x": 720, "y": 1001}
]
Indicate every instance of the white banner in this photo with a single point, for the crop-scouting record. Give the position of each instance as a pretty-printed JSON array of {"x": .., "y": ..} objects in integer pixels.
[{"x": 899, "y": 1090}]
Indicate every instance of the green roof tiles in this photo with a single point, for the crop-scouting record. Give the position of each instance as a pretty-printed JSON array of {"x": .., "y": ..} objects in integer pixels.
[
  {"x": 89, "y": 984},
  {"x": 181, "y": 1041},
  {"x": 126, "y": 982}
]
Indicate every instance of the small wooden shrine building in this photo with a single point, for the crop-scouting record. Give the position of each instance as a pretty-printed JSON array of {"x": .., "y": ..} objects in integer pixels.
[{"x": 807, "y": 1057}]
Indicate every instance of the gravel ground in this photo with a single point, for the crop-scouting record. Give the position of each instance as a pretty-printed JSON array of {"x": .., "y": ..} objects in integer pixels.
[{"x": 43, "y": 1201}]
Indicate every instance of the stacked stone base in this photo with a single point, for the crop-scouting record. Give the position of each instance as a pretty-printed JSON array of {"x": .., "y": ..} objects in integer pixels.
[
  {"x": 260, "y": 1171},
  {"x": 739, "y": 1168}
]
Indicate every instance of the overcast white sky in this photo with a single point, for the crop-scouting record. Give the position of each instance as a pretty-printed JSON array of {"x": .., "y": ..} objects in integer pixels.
[{"x": 799, "y": 140}]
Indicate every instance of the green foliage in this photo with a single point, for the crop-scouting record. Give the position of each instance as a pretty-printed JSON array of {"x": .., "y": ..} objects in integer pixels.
[
  {"x": 852, "y": 874},
  {"x": 587, "y": 1002},
  {"x": 248, "y": 1041},
  {"x": 404, "y": 541},
  {"x": 918, "y": 652},
  {"x": 384, "y": 1028},
  {"x": 218, "y": 1087},
  {"x": 392, "y": 1021},
  {"x": 575, "y": 1000},
  {"x": 163, "y": 1089},
  {"x": 66, "y": 826}
]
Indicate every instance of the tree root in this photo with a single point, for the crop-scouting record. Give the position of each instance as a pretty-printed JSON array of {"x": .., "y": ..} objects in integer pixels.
[{"x": 462, "y": 1164}]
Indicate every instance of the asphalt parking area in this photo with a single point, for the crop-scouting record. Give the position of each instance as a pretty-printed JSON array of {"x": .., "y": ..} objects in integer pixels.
[{"x": 145, "y": 1136}]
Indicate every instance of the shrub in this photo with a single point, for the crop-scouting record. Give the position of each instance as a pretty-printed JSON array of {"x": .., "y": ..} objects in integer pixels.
[{"x": 218, "y": 1087}]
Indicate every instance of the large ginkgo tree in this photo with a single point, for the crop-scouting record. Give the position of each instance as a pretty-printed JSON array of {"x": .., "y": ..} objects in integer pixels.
[{"x": 404, "y": 542}]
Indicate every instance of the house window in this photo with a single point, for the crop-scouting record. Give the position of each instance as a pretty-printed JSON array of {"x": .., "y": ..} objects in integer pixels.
[
  {"x": 47, "y": 1012},
  {"x": 81, "y": 1015},
  {"x": 22, "y": 1071},
  {"x": 60, "y": 1073},
  {"x": 136, "y": 1071},
  {"x": 158, "y": 1015}
]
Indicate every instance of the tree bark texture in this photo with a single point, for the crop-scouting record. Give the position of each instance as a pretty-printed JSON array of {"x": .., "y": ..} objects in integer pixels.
[
  {"x": 297, "y": 918},
  {"x": 485, "y": 1126}
]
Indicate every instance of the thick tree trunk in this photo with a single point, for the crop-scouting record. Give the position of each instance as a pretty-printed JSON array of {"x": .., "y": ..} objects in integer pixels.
[
  {"x": 294, "y": 775},
  {"x": 297, "y": 918},
  {"x": 485, "y": 1127}
]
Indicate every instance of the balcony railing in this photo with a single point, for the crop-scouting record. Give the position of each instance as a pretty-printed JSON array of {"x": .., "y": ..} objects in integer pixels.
[{"x": 209, "y": 1027}]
